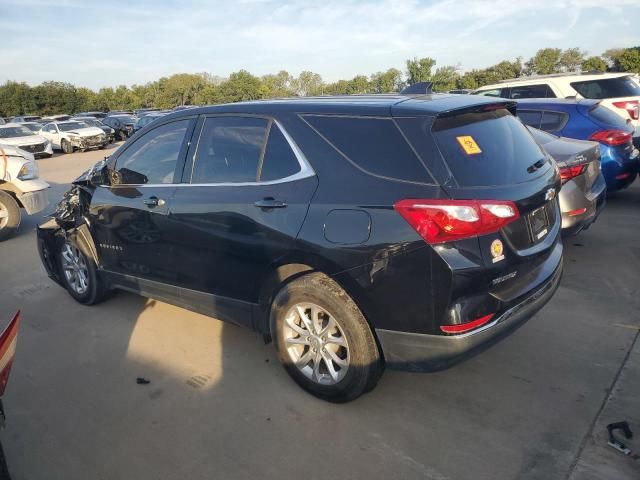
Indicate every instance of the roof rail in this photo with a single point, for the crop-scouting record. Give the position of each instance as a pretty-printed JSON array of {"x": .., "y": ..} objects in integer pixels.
[
  {"x": 420, "y": 88},
  {"x": 553, "y": 75}
]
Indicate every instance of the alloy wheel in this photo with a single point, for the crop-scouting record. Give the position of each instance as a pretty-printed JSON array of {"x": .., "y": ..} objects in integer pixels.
[
  {"x": 75, "y": 268},
  {"x": 316, "y": 343},
  {"x": 4, "y": 216}
]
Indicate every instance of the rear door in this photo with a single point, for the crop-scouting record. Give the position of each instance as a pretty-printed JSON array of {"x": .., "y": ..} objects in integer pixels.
[{"x": 246, "y": 194}]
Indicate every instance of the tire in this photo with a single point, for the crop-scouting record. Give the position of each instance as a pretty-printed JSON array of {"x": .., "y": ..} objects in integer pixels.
[
  {"x": 9, "y": 216},
  {"x": 74, "y": 265},
  {"x": 66, "y": 146},
  {"x": 339, "y": 360}
]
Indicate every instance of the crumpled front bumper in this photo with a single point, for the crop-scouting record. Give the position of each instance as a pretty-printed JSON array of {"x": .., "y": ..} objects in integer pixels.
[{"x": 85, "y": 143}]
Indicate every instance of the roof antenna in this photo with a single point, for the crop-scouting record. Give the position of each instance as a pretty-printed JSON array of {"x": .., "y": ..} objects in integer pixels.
[{"x": 420, "y": 88}]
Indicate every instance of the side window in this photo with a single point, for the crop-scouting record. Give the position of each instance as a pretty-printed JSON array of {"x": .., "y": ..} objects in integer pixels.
[
  {"x": 229, "y": 150},
  {"x": 375, "y": 145},
  {"x": 279, "y": 159},
  {"x": 532, "y": 91},
  {"x": 553, "y": 121},
  {"x": 497, "y": 92},
  {"x": 152, "y": 158},
  {"x": 530, "y": 117},
  {"x": 52, "y": 128}
]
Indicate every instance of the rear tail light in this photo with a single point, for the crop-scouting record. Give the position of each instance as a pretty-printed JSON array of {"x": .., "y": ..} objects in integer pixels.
[
  {"x": 439, "y": 221},
  {"x": 622, "y": 176},
  {"x": 465, "y": 327},
  {"x": 8, "y": 340},
  {"x": 632, "y": 107},
  {"x": 611, "y": 137},
  {"x": 567, "y": 173}
]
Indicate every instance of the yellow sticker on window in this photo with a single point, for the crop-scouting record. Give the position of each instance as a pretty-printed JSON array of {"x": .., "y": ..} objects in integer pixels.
[{"x": 469, "y": 145}]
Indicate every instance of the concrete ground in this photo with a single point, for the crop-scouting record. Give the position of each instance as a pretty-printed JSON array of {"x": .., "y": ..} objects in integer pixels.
[{"x": 220, "y": 406}]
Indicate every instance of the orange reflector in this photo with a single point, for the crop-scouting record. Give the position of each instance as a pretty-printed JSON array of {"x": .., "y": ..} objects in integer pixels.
[{"x": 579, "y": 211}]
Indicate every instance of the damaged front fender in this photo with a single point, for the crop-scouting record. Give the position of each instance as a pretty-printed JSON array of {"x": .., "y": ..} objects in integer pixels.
[{"x": 69, "y": 222}]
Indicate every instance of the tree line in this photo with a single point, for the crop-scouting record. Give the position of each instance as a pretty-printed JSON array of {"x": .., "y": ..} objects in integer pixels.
[{"x": 18, "y": 98}]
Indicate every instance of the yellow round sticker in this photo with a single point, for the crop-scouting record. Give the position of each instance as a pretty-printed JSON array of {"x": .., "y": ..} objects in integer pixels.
[{"x": 497, "y": 250}]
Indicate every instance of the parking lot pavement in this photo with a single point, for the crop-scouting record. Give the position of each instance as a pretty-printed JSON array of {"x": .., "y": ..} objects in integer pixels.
[{"x": 218, "y": 404}]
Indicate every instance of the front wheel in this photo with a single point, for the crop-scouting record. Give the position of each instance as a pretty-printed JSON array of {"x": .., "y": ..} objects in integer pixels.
[
  {"x": 79, "y": 274},
  {"x": 9, "y": 216},
  {"x": 66, "y": 146},
  {"x": 323, "y": 340}
]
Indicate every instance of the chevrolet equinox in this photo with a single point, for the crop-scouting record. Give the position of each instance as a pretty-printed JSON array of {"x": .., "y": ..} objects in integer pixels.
[{"x": 359, "y": 232}]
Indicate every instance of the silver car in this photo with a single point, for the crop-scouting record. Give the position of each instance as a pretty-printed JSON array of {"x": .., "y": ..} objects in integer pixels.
[{"x": 583, "y": 193}]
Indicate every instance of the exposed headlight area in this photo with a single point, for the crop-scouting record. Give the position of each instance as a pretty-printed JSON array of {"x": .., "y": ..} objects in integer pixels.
[{"x": 28, "y": 171}]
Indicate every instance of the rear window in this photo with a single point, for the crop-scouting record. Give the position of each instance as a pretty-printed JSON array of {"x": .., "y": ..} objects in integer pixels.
[
  {"x": 602, "y": 114},
  {"x": 607, "y": 88},
  {"x": 375, "y": 145},
  {"x": 485, "y": 148}
]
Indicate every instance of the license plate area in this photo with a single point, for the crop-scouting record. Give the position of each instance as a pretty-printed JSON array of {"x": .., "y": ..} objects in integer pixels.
[{"x": 538, "y": 223}]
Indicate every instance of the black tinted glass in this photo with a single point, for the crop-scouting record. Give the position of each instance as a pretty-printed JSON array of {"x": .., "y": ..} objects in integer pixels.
[
  {"x": 532, "y": 91},
  {"x": 530, "y": 117},
  {"x": 153, "y": 157},
  {"x": 607, "y": 88},
  {"x": 279, "y": 160},
  {"x": 373, "y": 144},
  {"x": 229, "y": 150},
  {"x": 553, "y": 121},
  {"x": 484, "y": 148},
  {"x": 491, "y": 93},
  {"x": 603, "y": 115}
]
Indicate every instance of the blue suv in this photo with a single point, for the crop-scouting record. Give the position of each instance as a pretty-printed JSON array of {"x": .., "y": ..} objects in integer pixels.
[{"x": 588, "y": 120}]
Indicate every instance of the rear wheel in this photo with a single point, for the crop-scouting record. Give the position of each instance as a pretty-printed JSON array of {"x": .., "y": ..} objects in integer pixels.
[
  {"x": 9, "y": 216},
  {"x": 323, "y": 340},
  {"x": 79, "y": 274},
  {"x": 66, "y": 146}
]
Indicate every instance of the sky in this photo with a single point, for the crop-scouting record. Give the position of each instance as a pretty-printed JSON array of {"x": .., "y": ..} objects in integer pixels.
[{"x": 98, "y": 43}]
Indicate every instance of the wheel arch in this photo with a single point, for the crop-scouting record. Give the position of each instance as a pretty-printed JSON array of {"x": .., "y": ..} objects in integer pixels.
[{"x": 294, "y": 268}]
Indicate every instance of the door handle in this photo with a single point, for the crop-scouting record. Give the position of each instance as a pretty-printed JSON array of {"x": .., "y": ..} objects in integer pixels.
[
  {"x": 270, "y": 203},
  {"x": 152, "y": 202}
]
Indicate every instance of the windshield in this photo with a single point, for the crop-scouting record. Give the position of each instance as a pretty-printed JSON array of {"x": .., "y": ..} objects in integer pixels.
[
  {"x": 542, "y": 137},
  {"x": 34, "y": 127},
  {"x": 90, "y": 123},
  {"x": 603, "y": 115},
  {"x": 607, "y": 88},
  {"x": 66, "y": 127},
  {"x": 125, "y": 118},
  {"x": 12, "y": 132}
]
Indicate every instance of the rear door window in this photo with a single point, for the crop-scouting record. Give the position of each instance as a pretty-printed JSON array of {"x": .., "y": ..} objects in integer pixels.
[
  {"x": 530, "y": 117},
  {"x": 229, "y": 150},
  {"x": 487, "y": 147},
  {"x": 553, "y": 121},
  {"x": 532, "y": 91},
  {"x": 374, "y": 145},
  {"x": 607, "y": 88}
]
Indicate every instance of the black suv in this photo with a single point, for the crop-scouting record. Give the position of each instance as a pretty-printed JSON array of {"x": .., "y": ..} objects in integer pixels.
[
  {"x": 121, "y": 123},
  {"x": 356, "y": 232}
]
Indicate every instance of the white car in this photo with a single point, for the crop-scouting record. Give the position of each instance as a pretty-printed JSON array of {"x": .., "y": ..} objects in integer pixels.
[
  {"x": 20, "y": 136},
  {"x": 619, "y": 92},
  {"x": 69, "y": 136},
  {"x": 20, "y": 187}
]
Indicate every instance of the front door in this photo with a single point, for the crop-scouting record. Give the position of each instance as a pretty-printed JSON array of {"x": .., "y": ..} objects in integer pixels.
[
  {"x": 247, "y": 195},
  {"x": 129, "y": 218}
]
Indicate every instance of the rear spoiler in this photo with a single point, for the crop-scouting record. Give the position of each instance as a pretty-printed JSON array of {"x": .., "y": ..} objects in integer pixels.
[{"x": 482, "y": 107}]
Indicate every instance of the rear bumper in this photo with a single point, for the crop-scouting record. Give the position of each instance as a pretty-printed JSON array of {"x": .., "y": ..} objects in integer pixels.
[
  {"x": 573, "y": 199},
  {"x": 422, "y": 352}
]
